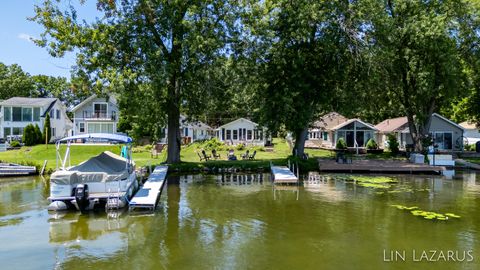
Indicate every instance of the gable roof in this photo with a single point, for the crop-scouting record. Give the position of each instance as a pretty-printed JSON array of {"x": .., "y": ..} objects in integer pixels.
[
  {"x": 392, "y": 124},
  {"x": 238, "y": 120},
  {"x": 25, "y": 101},
  {"x": 351, "y": 121},
  {"x": 468, "y": 125},
  {"x": 448, "y": 120},
  {"x": 89, "y": 99},
  {"x": 192, "y": 124},
  {"x": 330, "y": 120}
]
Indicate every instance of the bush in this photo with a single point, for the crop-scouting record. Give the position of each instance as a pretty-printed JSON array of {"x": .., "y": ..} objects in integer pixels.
[
  {"x": 470, "y": 147},
  {"x": 15, "y": 144},
  {"x": 341, "y": 144},
  {"x": 240, "y": 147},
  {"x": 372, "y": 144},
  {"x": 392, "y": 143},
  {"x": 47, "y": 135},
  {"x": 38, "y": 134},
  {"x": 29, "y": 136},
  {"x": 212, "y": 144}
]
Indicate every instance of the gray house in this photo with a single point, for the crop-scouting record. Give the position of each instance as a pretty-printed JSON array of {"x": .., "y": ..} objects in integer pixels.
[
  {"x": 447, "y": 134},
  {"x": 95, "y": 115}
]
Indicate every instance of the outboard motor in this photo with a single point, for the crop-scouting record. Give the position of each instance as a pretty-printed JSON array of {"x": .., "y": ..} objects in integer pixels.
[{"x": 81, "y": 196}]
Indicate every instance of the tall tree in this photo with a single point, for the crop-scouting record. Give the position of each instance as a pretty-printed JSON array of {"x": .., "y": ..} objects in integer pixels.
[
  {"x": 312, "y": 47},
  {"x": 14, "y": 82},
  {"x": 59, "y": 87},
  {"x": 168, "y": 45},
  {"x": 418, "y": 55}
]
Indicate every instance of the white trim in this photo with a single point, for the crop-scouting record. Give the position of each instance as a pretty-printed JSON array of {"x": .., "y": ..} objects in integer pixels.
[
  {"x": 449, "y": 121},
  {"x": 443, "y": 132},
  {"x": 83, "y": 103},
  {"x": 234, "y": 121},
  {"x": 351, "y": 121},
  {"x": 100, "y": 102}
]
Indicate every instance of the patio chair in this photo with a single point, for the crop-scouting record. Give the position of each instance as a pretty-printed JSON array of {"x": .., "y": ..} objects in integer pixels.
[
  {"x": 252, "y": 157},
  {"x": 215, "y": 155},
  {"x": 231, "y": 155},
  {"x": 200, "y": 156},
  {"x": 246, "y": 155},
  {"x": 205, "y": 156}
]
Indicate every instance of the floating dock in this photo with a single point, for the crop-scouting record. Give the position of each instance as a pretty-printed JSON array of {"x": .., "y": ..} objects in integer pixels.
[
  {"x": 283, "y": 175},
  {"x": 10, "y": 169},
  {"x": 148, "y": 196},
  {"x": 378, "y": 166}
]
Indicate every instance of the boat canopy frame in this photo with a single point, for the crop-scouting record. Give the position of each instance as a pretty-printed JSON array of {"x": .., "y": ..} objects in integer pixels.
[{"x": 104, "y": 137}]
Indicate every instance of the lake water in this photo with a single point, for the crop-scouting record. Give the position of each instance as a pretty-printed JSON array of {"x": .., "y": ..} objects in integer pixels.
[{"x": 241, "y": 221}]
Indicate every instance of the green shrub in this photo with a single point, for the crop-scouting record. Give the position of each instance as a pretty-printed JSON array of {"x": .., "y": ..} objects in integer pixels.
[
  {"x": 392, "y": 143},
  {"x": 212, "y": 144},
  {"x": 29, "y": 136},
  {"x": 470, "y": 147},
  {"x": 38, "y": 134},
  {"x": 341, "y": 144},
  {"x": 372, "y": 144},
  {"x": 47, "y": 130},
  {"x": 15, "y": 144},
  {"x": 240, "y": 147}
]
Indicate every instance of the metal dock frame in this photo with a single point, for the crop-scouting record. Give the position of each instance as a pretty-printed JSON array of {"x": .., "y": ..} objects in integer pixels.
[{"x": 148, "y": 196}]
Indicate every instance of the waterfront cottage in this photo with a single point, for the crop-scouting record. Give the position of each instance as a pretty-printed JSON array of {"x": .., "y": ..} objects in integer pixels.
[
  {"x": 446, "y": 134},
  {"x": 190, "y": 131},
  {"x": 18, "y": 112},
  {"x": 329, "y": 128},
  {"x": 242, "y": 131},
  {"x": 96, "y": 115}
]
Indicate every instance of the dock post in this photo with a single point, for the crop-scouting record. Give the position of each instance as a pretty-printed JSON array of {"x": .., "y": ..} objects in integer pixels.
[{"x": 43, "y": 167}]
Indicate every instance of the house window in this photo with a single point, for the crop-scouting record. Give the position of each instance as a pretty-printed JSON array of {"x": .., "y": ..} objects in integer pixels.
[
  {"x": 7, "y": 114},
  {"x": 52, "y": 113},
  {"x": 235, "y": 134},
  {"x": 229, "y": 134},
  {"x": 444, "y": 140},
  {"x": 114, "y": 115},
  {"x": 7, "y": 132},
  {"x": 58, "y": 114},
  {"x": 100, "y": 128},
  {"x": 36, "y": 114},
  {"x": 249, "y": 135},
  {"x": 325, "y": 136},
  {"x": 17, "y": 131},
  {"x": 53, "y": 132},
  {"x": 17, "y": 114},
  {"x": 82, "y": 127},
  {"x": 100, "y": 110},
  {"x": 185, "y": 131},
  {"x": 27, "y": 114}
]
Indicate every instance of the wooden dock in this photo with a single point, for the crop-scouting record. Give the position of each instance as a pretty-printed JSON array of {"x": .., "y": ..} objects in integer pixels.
[
  {"x": 148, "y": 196},
  {"x": 283, "y": 175},
  {"x": 9, "y": 169},
  {"x": 378, "y": 166}
]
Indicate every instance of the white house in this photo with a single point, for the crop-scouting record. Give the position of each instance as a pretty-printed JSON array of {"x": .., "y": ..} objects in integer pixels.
[
  {"x": 471, "y": 133},
  {"x": 96, "y": 115},
  {"x": 242, "y": 131},
  {"x": 18, "y": 112},
  {"x": 190, "y": 131}
]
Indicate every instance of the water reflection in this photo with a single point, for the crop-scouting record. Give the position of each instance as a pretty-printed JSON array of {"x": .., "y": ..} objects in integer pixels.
[{"x": 233, "y": 221}]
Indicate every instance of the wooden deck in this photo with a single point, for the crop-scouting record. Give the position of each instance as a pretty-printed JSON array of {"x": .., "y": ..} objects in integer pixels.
[
  {"x": 378, "y": 166},
  {"x": 147, "y": 197},
  {"x": 283, "y": 175},
  {"x": 7, "y": 169}
]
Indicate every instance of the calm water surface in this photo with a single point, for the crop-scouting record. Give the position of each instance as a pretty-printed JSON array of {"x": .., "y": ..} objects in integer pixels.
[{"x": 242, "y": 222}]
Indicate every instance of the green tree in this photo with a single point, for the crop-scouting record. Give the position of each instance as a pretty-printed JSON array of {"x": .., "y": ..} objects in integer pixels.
[
  {"x": 47, "y": 130},
  {"x": 14, "y": 82},
  {"x": 312, "y": 52},
  {"x": 58, "y": 87},
  {"x": 168, "y": 45},
  {"x": 29, "y": 137},
  {"x": 38, "y": 135},
  {"x": 417, "y": 55}
]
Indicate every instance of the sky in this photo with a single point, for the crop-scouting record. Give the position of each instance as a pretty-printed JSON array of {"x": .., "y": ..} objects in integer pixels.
[{"x": 16, "y": 31}]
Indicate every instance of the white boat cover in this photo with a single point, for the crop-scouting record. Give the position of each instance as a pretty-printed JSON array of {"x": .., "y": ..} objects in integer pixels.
[{"x": 102, "y": 168}]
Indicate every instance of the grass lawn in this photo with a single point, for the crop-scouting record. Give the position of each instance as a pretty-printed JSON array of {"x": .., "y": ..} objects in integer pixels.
[
  {"x": 37, "y": 154},
  {"x": 475, "y": 160}
]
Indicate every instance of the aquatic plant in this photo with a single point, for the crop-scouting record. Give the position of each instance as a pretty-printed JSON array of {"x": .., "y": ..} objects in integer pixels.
[
  {"x": 430, "y": 215},
  {"x": 373, "y": 179}
]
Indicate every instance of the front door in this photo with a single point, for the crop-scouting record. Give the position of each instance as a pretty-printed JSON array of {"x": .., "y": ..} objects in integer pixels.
[
  {"x": 360, "y": 138},
  {"x": 350, "y": 138}
]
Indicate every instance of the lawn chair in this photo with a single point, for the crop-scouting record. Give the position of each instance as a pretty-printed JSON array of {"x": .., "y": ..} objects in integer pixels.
[
  {"x": 215, "y": 155},
  {"x": 246, "y": 156},
  {"x": 252, "y": 157},
  {"x": 200, "y": 156},
  {"x": 156, "y": 149},
  {"x": 231, "y": 155},
  {"x": 205, "y": 156}
]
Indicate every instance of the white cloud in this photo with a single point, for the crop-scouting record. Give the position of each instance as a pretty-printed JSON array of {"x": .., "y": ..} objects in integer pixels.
[{"x": 26, "y": 37}]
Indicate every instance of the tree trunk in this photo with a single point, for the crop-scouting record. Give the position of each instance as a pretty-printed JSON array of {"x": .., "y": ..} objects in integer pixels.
[
  {"x": 173, "y": 136},
  {"x": 300, "y": 138}
]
